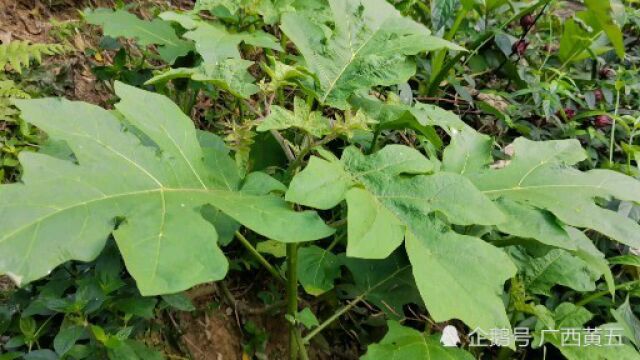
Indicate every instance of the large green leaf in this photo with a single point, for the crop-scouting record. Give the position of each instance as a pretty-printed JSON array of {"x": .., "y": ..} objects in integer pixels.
[
  {"x": 144, "y": 179},
  {"x": 121, "y": 23},
  {"x": 366, "y": 45},
  {"x": 391, "y": 197},
  {"x": 470, "y": 154},
  {"x": 405, "y": 343},
  {"x": 540, "y": 175}
]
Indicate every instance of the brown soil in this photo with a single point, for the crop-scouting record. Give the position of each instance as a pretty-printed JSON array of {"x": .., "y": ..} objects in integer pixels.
[
  {"x": 33, "y": 20},
  {"x": 211, "y": 336}
]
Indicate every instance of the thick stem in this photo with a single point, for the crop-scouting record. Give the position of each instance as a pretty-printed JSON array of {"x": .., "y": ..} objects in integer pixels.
[
  {"x": 243, "y": 240},
  {"x": 295, "y": 345}
]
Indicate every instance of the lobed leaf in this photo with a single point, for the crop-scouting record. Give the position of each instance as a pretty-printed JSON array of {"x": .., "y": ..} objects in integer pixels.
[
  {"x": 145, "y": 180},
  {"x": 391, "y": 196},
  {"x": 366, "y": 45}
]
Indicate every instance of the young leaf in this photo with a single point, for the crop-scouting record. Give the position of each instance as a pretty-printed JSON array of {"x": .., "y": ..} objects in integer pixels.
[
  {"x": 313, "y": 122},
  {"x": 149, "y": 196},
  {"x": 405, "y": 343},
  {"x": 307, "y": 318},
  {"x": 367, "y": 46}
]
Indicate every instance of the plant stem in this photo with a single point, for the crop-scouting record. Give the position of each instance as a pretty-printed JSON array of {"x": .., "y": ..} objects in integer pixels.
[
  {"x": 600, "y": 294},
  {"x": 350, "y": 305},
  {"x": 374, "y": 141},
  {"x": 295, "y": 346},
  {"x": 613, "y": 127},
  {"x": 264, "y": 262},
  {"x": 332, "y": 318}
]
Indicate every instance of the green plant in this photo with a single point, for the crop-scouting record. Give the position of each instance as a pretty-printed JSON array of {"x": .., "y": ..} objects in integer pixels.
[
  {"x": 416, "y": 211},
  {"x": 81, "y": 311},
  {"x": 19, "y": 54}
]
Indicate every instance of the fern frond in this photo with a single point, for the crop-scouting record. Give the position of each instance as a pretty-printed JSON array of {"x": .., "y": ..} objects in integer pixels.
[
  {"x": 9, "y": 90},
  {"x": 19, "y": 54}
]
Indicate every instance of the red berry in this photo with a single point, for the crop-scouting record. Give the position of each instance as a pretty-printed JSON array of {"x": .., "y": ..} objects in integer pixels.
[
  {"x": 607, "y": 72},
  {"x": 599, "y": 95},
  {"x": 519, "y": 47},
  {"x": 602, "y": 121},
  {"x": 570, "y": 113},
  {"x": 527, "y": 21}
]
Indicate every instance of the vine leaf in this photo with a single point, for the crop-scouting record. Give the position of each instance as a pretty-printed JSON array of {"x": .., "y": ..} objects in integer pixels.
[
  {"x": 390, "y": 197},
  {"x": 143, "y": 178},
  {"x": 402, "y": 342},
  {"x": 367, "y": 45},
  {"x": 599, "y": 16}
]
